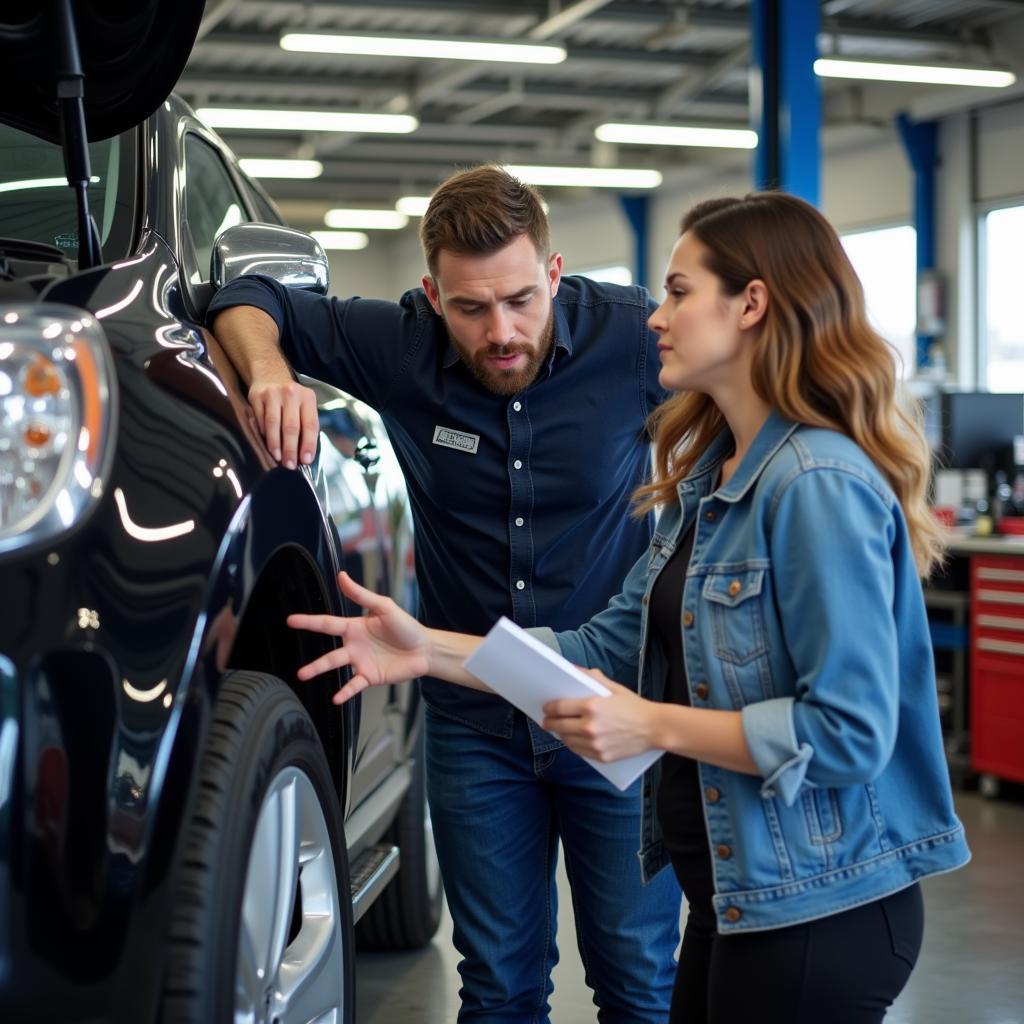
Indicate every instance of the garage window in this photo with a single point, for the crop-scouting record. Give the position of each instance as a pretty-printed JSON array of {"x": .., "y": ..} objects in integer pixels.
[
  {"x": 885, "y": 260},
  {"x": 1001, "y": 330}
]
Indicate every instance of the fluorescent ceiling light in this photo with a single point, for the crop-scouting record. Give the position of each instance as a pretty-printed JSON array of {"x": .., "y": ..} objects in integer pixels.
[
  {"x": 676, "y": 135},
  {"x": 306, "y": 120},
  {"x": 259, "y": 167},
  {"x": 883, "y": 71},
  {"x": 342, "y": 239},
  {"x": 416, "y": 206},
  {"x": 413, "y": 206},
  {"x": 388, "y": 220},
  {"x": 586, "y": 177},
  {"x": 406, "y": 46}
]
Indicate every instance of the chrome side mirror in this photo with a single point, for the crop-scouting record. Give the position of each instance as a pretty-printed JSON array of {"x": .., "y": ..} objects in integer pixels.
[{"x": 290, "y": 257}]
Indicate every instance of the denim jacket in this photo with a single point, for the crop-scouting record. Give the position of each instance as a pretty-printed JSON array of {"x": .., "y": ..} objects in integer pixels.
[{"x": 802, "y": 609}]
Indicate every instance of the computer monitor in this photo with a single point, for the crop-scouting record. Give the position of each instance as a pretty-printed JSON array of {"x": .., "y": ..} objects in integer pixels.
[{"x": 977, "y": 428}]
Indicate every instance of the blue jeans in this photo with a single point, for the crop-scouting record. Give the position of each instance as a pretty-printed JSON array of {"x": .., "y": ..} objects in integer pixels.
[{"x": 499, "y": 808}]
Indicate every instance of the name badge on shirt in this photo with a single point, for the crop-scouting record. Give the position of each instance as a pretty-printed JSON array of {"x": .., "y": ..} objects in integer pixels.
[{"x": 457, "y": 439}]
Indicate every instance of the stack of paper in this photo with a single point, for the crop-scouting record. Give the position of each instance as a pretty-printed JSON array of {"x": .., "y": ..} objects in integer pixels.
[{"x": 528, "y": 674}]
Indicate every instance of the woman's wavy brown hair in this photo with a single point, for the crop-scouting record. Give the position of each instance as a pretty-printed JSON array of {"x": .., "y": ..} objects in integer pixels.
[{"x": 816, "y": 359}]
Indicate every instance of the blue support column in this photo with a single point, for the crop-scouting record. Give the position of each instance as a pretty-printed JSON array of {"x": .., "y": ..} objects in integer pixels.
[
  {"x": 636, "y": 209},
  {"x": 785, "y": 96},
  {"x": 921, "y": 143}
]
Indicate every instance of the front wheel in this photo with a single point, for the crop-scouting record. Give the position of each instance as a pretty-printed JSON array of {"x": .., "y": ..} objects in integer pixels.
[{"x": 262, "y": 925}]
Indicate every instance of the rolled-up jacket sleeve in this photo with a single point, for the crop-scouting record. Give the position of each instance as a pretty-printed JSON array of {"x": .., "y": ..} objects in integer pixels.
[
  {"x": 832, "y": 537},
  {"x": 610, "y": 641},
  {"x": 361, "y": 345}
]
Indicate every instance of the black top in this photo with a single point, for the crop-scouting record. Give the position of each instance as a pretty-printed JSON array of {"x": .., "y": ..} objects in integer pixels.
[{"x": 680, "y": 808}]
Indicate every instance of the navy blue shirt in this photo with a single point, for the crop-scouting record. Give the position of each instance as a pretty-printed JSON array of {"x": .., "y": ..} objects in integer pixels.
[{"x": 520, "y": 502}]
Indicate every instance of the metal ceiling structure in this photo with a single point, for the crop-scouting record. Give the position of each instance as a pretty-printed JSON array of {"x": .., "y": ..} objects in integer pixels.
[{"x": 682, "y": 61}]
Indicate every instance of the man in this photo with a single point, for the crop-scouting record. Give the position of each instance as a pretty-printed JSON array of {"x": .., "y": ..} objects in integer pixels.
[{"x": 516, "y": 402}]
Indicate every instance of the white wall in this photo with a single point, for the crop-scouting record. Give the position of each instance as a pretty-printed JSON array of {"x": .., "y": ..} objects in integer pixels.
[
  {"x": 1000, "y": 138},
  {"x": 365, "y": 272}
]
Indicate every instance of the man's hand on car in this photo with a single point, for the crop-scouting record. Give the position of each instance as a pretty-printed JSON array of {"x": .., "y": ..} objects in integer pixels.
[{"x": 286, "y": 414}]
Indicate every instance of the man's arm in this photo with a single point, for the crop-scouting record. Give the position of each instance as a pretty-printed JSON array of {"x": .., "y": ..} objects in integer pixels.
[
  {"x": 360, "y": 345},
  {"x": 285, "y": 410}
]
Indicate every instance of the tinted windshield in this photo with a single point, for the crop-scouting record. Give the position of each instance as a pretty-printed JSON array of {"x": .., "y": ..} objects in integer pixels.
[{"x": 36, "y": 203}]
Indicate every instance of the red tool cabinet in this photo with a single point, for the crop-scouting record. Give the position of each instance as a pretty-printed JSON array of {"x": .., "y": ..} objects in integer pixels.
[{"x": 997, "y": 666}]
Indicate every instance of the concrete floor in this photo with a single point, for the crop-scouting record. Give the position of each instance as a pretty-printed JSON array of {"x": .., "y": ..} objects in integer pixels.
[{"x": 971, "y": 969}]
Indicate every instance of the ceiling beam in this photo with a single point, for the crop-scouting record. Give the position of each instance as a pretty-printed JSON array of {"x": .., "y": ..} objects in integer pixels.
[
  {"x": 565, "y": 19},
  {"x": 332, "y": 95},
  {"x": 694, "y": 84},
  {"x": 215, "y": 13},
  {"x": 611, "y": 14}
]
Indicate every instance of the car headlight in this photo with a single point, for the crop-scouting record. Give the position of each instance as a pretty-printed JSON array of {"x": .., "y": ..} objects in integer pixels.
[{"x": 56, "y": 420}]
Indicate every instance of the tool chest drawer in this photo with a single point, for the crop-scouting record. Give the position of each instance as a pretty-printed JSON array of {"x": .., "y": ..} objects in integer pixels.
[{"x": 997, "y": 666}]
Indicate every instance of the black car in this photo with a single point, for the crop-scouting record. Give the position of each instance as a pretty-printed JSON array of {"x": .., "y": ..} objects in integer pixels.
[{"x": 186, "y": 832}]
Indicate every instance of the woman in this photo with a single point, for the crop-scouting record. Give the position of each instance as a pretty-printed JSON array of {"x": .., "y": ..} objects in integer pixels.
[{"x": 774, "y": 639}]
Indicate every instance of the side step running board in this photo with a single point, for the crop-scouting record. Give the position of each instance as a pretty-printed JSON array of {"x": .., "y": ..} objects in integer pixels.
[{"x": 373, "y": 869}]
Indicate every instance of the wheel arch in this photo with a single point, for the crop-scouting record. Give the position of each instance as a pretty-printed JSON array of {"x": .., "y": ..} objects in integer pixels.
[{"x": 290, "y": 582}]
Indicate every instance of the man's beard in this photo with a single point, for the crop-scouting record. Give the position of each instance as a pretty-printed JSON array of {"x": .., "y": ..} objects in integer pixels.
[{"x": 507, "y": 382}]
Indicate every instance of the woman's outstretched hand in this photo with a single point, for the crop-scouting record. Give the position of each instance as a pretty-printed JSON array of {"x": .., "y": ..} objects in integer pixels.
[{"x": 386, "y": 646}]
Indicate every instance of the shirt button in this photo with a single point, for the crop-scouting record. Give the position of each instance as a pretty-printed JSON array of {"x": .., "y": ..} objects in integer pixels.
[
  {"x": 735, "y": 587},
  {"x": 517, "y": 406},
  {"x": 520, "y": 585},
  {"x": 520, "y": 520},
  {"x": 732, "y": 914},
  {"x": 712, "y": 795},
  {"x": 687, "y": 619},
  {"x": 723, "y": 851},
  {"x": 701, "y": 689},
  {"x": 517, "y": 464}
]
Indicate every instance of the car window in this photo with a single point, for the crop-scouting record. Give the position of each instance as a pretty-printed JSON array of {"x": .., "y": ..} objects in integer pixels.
[
  {"x": 212, "y": 203},
  {"x": 37, "y": 205}
]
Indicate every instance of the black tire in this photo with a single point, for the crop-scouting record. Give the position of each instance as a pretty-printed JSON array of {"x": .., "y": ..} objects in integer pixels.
[
  {"x": 260, "y": 736},
  {"x": 408, "y": 911}
]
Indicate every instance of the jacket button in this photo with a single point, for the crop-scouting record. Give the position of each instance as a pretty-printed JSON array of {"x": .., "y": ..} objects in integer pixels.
[
  {"x": 710, "y": 515},
  {"x": 735, "y": 587},
  {"x": 723, "y": 851},
  {"x": 732, "y": 914},
  {"x": 645, "y": 601},
  {"x": 701, "y": 689},
  {"x": 712, "y": 795},
  {"x": 687, "y": 619}
]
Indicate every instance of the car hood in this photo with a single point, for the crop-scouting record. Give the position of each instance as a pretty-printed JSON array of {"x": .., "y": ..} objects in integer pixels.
[{"x": 132, "y": 55}]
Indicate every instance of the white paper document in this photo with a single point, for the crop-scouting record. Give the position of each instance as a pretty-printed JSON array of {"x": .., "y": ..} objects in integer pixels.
[{"x": 528, "y": 674}]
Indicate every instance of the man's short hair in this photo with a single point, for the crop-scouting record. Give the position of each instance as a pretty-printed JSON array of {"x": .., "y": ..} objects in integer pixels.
[{"x": 479, "y": 211}]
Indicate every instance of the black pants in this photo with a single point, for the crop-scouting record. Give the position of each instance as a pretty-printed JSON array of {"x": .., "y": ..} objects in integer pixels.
[{"x": 843, "y": 969}]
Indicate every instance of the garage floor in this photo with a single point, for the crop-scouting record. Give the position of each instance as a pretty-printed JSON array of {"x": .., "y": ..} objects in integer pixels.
[{"x": 971, "y": 970}]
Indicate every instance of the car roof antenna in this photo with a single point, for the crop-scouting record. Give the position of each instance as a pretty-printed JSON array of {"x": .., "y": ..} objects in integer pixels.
[{"x": 74, "y": 142}]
